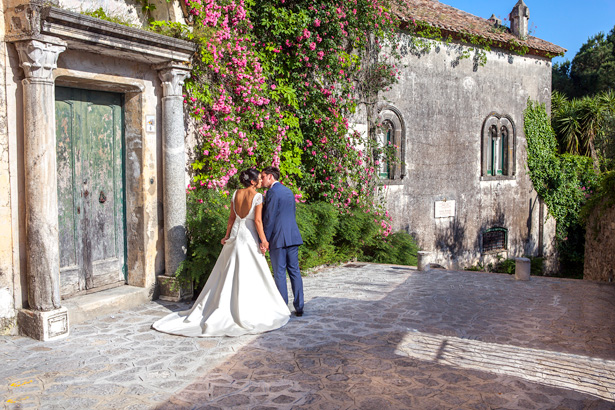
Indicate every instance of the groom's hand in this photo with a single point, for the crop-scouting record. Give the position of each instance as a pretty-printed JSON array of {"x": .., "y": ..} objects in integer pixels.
[{"x": 264, "y": 247}]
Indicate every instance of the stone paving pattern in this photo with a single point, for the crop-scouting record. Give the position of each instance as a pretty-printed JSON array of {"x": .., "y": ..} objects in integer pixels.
[{"x": 372, "y": 337}]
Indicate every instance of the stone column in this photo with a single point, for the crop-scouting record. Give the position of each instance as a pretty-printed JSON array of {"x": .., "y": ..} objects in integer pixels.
[
  {"x": 522, "y": 268},
  {"x": 423, "y": 259},
  {"x": 45, "y": 319},
  {"x": 172, "y": 76}
]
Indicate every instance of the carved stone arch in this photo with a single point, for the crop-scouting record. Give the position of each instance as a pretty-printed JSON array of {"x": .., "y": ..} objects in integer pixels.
[
  {"x": 391, "y": 115},
  {"x": 504, "y": 125}
]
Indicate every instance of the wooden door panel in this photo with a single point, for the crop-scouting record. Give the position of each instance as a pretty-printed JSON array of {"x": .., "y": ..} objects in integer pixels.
[
  {"x": 103, "y": 229},
  {"x": 90, "y": 189},
  {"x": 69, "y": 205},
  {"x": 67, "y": 218},
  {"x": 107, "y": 271},
  {"x": 106, "y": 229}
]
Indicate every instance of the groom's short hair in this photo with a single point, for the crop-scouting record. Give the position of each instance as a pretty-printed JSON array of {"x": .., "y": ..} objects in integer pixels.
[{"x": 275, "y": 172}]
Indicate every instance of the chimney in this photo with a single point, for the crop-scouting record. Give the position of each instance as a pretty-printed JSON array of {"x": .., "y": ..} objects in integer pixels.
[
  {"x": 519, "y": 19},
  {"x": 495, "y": 21}
]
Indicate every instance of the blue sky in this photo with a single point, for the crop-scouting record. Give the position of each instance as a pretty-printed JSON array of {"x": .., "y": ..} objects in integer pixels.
[{"x": 566, "y": 23}]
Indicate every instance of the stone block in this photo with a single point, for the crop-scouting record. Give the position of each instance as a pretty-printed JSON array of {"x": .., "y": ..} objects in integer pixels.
[
  {"x": 522, "y": 268},
  {"x": 423, "y": 260},
  {"x": 172, "y": 290},
  {"x": 44, "y": 326}
]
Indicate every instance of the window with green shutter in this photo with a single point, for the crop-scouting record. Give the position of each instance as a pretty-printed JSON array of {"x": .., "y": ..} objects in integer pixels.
[{"x": 498, "y": 148}]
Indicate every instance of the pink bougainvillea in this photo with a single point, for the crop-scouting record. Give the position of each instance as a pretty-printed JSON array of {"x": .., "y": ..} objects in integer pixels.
[{"x": 276, "y": 84}]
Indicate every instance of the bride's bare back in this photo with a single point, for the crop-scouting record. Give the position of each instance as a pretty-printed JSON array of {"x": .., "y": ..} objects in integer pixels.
[{"x": 243, "y": 201}]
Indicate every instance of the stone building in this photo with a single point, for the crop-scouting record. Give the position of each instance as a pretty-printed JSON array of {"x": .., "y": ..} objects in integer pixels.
[
  {"x": 92, "y": 153},
  {"x": 92, "y": 161},
  {"x": 461, "y": 187}
]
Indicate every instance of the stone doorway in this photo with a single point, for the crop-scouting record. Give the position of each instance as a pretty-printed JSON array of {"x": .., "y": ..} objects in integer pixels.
[{"x": 90, "y": 175}]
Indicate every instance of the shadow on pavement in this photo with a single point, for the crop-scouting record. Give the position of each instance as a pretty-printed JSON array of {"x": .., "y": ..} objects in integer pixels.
[{"x": 435, "y": 340}]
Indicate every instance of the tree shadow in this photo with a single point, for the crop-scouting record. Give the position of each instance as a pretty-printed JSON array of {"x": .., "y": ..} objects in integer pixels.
[{"x": 427, "y": 340}]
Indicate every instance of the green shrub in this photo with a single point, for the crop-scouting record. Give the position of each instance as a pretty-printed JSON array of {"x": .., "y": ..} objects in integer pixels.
[
  {"x": 317, "y": 222},
  {"x": 206, "y": 219},
  {"x": 602, "y": 198},
  {"x": 509, "y": 265},
  {"x": 505, "y": 266},
  {"x": 328, "y": 236},
  {"x": 398, "y": 248},
  {"x": 355, "y": 231}
]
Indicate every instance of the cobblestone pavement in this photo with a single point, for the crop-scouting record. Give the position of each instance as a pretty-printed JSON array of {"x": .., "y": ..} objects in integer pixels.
[{"x": 372, "y": 337}]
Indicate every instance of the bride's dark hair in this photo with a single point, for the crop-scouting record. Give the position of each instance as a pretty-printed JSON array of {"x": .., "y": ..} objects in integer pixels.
[{"x": 247, "y": 176}]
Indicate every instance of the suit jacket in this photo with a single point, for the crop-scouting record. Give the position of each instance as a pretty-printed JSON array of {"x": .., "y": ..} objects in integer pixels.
[{"x": 279, "y": 219}]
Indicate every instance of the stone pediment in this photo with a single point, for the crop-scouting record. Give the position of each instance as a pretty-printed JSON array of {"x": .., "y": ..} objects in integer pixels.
[{"x": 80, "y": 32}]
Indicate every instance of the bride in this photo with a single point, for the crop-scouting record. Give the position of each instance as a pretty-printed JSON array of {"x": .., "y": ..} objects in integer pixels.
[{"x": 240, "y": 296}]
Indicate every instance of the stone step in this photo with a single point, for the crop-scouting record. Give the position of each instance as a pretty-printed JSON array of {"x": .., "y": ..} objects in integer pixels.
[{"x": 85, "y": 307}]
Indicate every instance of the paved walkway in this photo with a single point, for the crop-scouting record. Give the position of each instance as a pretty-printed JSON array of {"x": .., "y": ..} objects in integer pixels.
[{"x": 373, "y": 337}]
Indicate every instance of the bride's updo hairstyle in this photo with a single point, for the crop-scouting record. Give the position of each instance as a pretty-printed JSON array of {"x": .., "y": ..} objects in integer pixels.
[{"x": 247, "y": 176}]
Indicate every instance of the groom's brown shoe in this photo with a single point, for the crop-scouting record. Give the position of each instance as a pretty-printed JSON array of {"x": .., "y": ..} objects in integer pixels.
[{"x": 299, "y": 313}]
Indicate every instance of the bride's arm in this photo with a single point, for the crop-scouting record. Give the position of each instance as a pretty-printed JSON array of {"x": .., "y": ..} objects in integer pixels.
[
  {"x": 258, "y": 222},
  {"x": 229, "y": 225}
]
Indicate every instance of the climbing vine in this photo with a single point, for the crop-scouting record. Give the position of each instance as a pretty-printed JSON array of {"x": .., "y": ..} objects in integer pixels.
[{"x": 564, "y": 182}]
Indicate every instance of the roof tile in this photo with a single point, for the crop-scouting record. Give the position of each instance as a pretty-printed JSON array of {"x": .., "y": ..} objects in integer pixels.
[{"x": 458, "y": 22}]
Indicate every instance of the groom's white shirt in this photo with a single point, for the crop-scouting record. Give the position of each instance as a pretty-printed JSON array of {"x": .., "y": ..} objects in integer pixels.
[{"x": 274, "y": 182}]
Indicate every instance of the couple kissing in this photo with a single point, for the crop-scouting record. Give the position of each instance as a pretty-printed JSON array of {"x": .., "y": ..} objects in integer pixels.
[{"x": 240, "y": 296}]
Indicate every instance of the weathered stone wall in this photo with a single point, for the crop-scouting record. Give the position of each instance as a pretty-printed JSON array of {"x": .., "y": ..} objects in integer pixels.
[
  {"x": 127, "y": 9},
  {"x": 143, "y": 152},
  {"x": 444, "y": 101},
  {"x": 140, "y": 85},
  {"x": 599, "y": 246},
  {"x": 7, "y": 306}
]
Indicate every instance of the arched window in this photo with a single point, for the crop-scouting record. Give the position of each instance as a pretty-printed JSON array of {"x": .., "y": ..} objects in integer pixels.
[
  {"x": 385, "y": 140},
  {"x": 498, "y": 147},
  {"x": 393, "y": 135}
]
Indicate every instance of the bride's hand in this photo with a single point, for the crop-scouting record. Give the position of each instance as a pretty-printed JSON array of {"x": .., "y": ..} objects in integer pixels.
[
  {"x": 264, "y": 247},
  {"x": 223, "y": 241}
]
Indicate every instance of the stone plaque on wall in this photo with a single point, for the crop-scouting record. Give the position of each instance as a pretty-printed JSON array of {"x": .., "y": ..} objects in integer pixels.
[{"x": 444, "y": 209}]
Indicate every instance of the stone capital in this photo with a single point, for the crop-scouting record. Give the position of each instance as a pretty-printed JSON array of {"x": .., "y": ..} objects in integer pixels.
[
  {"x": 39, "y": 57},
  {"x": 173, "y": 76}
]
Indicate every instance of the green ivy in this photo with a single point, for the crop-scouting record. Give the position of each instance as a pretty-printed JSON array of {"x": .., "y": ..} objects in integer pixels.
[
  {"x": 599, "y": 201},
  {"x": 101, "y": 14},
  {"x": 423, "y": 32},
  {"x": 564, "y": 182}
]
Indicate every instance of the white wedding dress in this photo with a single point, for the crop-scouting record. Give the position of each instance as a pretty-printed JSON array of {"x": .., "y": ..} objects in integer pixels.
[{"x": 240, "y": 296}]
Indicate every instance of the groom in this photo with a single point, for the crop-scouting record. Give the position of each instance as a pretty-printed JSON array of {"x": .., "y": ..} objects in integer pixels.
[{"x": 283, "y": 235}]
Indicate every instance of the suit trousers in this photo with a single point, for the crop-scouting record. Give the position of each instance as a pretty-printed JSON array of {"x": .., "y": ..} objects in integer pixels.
[{"x": 284, "y": 260}]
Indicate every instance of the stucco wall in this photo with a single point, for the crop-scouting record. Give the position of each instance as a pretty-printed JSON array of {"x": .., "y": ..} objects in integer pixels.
[
  {"x": 599, "y": 246},
  {"x": 444, "y": 101}
]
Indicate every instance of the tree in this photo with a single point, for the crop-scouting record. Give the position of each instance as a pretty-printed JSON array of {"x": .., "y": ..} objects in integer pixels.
[
  {"x": 585, "y": 126},
  {"x": 592, "y": 69},
  {"x": 560, "y": 80}
]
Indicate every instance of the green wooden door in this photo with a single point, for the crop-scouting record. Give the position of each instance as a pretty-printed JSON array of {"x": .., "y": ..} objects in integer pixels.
[{"x": 89, "y": 136}]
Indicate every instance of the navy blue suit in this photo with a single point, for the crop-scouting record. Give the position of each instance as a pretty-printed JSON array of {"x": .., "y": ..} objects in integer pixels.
[{"x": 282, "y": 233}]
